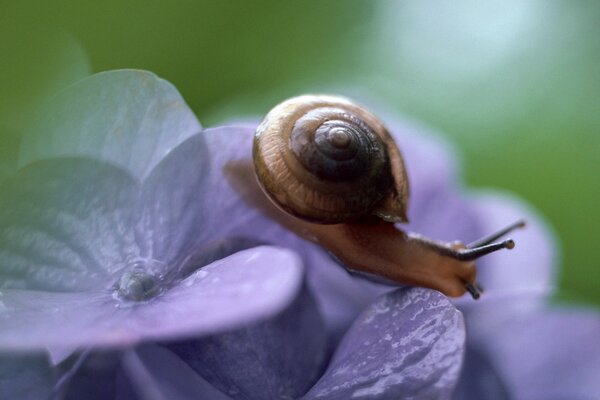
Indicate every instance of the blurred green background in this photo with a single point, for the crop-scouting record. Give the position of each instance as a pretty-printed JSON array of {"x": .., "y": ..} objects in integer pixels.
[{"x": 514, "y": 84}]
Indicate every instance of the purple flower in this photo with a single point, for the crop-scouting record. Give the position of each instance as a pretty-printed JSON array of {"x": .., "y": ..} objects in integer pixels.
[{"x": 134, "y": 249}]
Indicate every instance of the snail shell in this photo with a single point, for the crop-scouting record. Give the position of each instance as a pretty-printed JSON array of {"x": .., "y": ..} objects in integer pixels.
[{"x": 327, "y": 160}]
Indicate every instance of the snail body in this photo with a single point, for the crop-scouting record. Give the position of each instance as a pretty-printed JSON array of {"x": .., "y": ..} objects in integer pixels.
[
  {"x": 334, "y": 166},
  {"x": 327, "y": 160}
]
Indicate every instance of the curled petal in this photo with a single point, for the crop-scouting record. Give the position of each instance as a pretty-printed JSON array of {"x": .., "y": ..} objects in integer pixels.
[{"x": 408, "y": 344}]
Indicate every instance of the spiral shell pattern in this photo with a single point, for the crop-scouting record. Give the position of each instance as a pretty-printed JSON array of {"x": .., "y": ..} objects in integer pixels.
[{"x": 327, "y": 160}]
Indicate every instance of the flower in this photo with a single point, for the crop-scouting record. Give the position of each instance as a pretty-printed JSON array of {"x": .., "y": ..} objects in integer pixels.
[
  {"x": 119, "y": 203},
  {"x": 136, "y": 249}
]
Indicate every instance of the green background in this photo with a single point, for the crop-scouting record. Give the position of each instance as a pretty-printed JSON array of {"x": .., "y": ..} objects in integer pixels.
[{"x": 514, "y": 84}]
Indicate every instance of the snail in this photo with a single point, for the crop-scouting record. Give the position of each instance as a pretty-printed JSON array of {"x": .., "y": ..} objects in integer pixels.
[{"x": 334, "y": 167}]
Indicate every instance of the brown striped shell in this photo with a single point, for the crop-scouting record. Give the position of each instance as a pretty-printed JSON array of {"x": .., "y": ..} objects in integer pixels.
[{"x": 327, "y": 160}]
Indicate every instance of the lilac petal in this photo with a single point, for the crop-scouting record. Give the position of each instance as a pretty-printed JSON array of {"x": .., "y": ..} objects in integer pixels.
[
  {"x": 479, "y": 379},
  {"x": 128, "y": 117},
  {"x": 233, "y": 186},
  {"x": 238, "y": 199},
  {"x": 248, "y": 286},
  {"x": 26, "y": 376},
  {"x": 408, "y": 344},
  {"x": 57, "y": 320},
  {"x": 91, "y": 375},
  {"x": 531, "y": 265},
  {"x": 497, "y": 308},
  {"x": 436, "y": 207},
  {"x": 546, "y": 355},
  {"x": 152, "y": 372},
  {"x": 65, "y": 225},
  {"x": 175, "y": 203},
  {"x": 277, "y": 359},
  {"x": 245, "y": 287},
  {"x": 341, "y": 295}
]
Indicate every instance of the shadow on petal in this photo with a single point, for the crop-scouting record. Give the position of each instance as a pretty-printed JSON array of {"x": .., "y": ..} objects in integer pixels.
[
  {"x": 150, "y": 372},
  {"x": 26, "y": 376},
  {"x": 277, "y": 359}
]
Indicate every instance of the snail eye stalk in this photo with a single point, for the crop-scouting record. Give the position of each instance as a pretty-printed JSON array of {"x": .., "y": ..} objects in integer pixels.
[
  {"x": 474, "y": 290},
  {"x": 485, "y": 246},
  {"x": 473, "y": 253},
  {"x": 497, "y": 235}
]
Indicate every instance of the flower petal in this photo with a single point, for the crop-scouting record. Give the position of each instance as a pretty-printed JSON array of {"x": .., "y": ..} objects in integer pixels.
[
  {"x": 65, "y": 224},
  {"x": 285, "y": 354},
  {"x": 408, "y": 344},
  {"x": 531, "y": 265},
  {"x": 128, "y": 117},
  {"x": 26, "y": 376},
  {"x": 90, "y": 375},
  {"x": 546, "y": 355},
  {"x": 153, "y": 372},
  {"x": 436, "y": 207},
  {"x": 174, "y": 204},
  {"x": 479, "y": 379},
  {"x": 248, "y": 286}
]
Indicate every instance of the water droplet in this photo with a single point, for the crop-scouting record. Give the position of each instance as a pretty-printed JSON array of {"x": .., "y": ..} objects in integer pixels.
[{"x": 140, "y": 280}]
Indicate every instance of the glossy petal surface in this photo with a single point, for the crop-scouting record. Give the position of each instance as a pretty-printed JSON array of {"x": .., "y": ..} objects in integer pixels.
[
  {"x": 246, "y": 287},
  {"x": 408, "y": 344},
  {"x": 127, "y": 117}
]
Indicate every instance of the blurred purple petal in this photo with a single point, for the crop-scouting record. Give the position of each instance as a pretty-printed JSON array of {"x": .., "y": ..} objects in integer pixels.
[
  {"x": 546, "y": 355},
  {"x": 246, "y": 287},
  {"x": 437, "y": 208},
  {"x": 531, "y": 265},
  {"x": 408, "y": 344},
  {"x": 479, "y": 379},
  {"x": 127, "y": 117},
  {"x": 26, "y": 376},
  {"x": 65, "y": 224},
  {"x": 154, "y": 373},
  {"x": 276, "y": 359}
]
